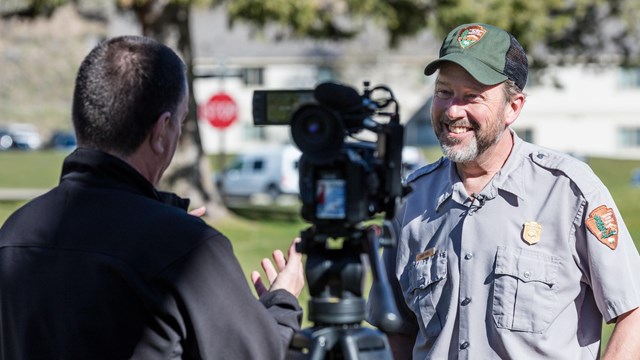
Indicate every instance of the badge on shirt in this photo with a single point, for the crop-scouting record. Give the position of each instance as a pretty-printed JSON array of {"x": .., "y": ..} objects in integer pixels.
[
  {"x": 603, "y": 225},
  {"x": 531, "y": 232}
]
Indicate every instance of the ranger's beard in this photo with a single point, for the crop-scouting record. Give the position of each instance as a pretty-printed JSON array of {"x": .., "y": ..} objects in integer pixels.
[{"x": 483, "y": 139}]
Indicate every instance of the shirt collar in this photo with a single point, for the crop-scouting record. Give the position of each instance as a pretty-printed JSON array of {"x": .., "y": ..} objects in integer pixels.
[
  {"x": 511, "y": 177},
  {"x": 506, "y": 179},
  {"x": 450, "y": 186}
]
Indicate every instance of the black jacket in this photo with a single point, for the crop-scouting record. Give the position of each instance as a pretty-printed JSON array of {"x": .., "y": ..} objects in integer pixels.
[{"x": 105, "y": 267}]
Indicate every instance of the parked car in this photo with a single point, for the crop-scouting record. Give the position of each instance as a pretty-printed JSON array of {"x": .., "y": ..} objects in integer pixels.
[
  {"x": 273, "y": 171},
  {"x": 62, "y": 140},
  {"x": 25, "y": 136},
  {"x": 6, "y": 141}
]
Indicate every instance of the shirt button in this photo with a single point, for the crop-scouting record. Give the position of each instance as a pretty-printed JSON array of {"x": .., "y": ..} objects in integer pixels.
[
  {"x": 468, "y": 256},
  {"x": 527, "y": 274},
  {"x": 464, "y": 345},
  {"x": 466, "y": 301}
]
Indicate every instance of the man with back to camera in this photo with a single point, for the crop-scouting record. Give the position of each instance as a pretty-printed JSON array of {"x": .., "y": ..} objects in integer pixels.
[
  {"x": 105, "y": 266},
  {"x": 506, "y": 250}
]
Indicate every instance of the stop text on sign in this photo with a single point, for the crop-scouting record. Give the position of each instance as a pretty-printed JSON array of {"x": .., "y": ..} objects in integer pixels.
[{"x": 220, "y": 110}]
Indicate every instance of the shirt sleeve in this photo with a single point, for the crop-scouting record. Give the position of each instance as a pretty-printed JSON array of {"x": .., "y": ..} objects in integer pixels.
[
  {"x": 608, "y": 255},
  {"x": 285, "y": 309}
]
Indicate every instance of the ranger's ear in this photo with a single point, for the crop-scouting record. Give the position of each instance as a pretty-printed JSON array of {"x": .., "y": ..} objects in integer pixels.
[{"x": 513, "y": 108}]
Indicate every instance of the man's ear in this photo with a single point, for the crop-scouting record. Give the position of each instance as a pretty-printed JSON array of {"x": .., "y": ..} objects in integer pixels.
[
  {"x": 513, "y": 108},
  {"x": 158, "y": 135}
]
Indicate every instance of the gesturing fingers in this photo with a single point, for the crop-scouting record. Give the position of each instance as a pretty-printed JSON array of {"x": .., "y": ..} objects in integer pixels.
[
  {"x": 285, "y": 274},
  {"x": 294, "y": 255},
  {"x": 256, "y": 279},
  {"x": 278, "y": 257},
  {"x": 198, "y": 212},
  {"x": 269, "y": 270}
]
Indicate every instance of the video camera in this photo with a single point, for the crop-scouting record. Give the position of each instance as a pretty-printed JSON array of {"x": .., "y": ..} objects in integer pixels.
[{"x": 344, "y": 181}]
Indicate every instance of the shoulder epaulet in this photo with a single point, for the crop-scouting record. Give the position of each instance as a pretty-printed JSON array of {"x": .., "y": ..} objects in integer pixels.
[
  {"x": 576, "y": 170},
  {"x": 424, "y": 170}
]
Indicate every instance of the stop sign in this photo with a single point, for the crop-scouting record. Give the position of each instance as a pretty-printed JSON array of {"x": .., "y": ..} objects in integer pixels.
[{"x": 220, "y": 111}]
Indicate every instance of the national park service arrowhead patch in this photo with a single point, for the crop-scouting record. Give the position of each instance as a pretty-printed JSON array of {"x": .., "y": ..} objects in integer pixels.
[
  {"x": 470, "y": 35},
  {"x": 603, "y": 225}
]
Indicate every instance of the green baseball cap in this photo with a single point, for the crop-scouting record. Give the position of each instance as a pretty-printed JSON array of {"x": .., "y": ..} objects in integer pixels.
[{"x": 490, "y": 54}]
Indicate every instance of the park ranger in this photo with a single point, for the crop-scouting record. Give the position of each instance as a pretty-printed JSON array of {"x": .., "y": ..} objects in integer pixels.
[{"x": 506, "y": 249}]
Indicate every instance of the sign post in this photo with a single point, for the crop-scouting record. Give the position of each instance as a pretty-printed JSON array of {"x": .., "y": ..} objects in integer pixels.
[{"x": 220, "y": 111}]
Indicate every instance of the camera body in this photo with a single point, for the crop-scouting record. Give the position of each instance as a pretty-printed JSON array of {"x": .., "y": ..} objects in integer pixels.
[{"x": 342, "y": 182}]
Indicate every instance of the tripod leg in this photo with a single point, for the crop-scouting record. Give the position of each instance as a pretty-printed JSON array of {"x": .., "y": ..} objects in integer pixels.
[
  {"x": 365, "y": 344},
  {"x": 312, "y": 344}
]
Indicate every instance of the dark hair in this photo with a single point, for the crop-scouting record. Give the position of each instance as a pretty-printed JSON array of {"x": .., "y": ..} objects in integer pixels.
[
  {"x": 122, "y": 88},
  {"x": 511, "y": 90}
]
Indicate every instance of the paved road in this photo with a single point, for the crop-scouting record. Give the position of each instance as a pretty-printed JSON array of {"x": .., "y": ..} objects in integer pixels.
[{"x": 15, "y": 194}]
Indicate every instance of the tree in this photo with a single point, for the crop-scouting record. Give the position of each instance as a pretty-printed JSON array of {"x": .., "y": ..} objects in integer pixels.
[
  {"x": 552, "y": 31},
  {"x": 169, "y": 22}
]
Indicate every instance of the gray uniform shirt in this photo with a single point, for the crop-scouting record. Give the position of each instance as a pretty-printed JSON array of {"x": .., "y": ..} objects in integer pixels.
[{"x": 527, "y": 270}]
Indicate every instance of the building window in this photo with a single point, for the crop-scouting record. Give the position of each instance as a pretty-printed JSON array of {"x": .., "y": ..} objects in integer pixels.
[
  {"x": 629, "y": 136},
  {"x": 253, "y": 76},
  {"x": 629, "y": 77},
  {"x": 525, "y": 134}
]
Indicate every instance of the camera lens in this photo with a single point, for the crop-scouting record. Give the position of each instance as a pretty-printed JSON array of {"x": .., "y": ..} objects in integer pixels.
[
  {"x": 318, "y": 132},
  {"x": 314, "y": 130},
  {"x": 314, "y": 127}
]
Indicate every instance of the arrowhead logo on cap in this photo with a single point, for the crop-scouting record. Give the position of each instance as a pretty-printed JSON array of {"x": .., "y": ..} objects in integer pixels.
[{"x": 470, "y": 35}]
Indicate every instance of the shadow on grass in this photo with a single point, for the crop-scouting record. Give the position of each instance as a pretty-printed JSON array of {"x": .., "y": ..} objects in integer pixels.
[{"x": 261, "y": 207}]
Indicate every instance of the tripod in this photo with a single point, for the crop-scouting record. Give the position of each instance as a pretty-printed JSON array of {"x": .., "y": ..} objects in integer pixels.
[{"x": 337, "y": 309}]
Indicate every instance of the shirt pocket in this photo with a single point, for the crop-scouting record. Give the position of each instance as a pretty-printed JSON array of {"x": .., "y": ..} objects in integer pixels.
[
  {"x": 525, "y": 289},
  {"x": 425, "y": 290}
]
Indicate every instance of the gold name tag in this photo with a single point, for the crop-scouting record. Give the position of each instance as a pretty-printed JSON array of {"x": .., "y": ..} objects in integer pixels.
[{"x": 426, "y": 254}]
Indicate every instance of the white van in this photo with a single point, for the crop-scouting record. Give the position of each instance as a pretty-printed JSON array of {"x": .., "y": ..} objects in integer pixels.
[{"x": 269, "y": 170}]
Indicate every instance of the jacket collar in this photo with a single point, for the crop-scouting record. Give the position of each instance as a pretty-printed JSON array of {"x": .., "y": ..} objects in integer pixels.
[{"x": 101, "y": 169}]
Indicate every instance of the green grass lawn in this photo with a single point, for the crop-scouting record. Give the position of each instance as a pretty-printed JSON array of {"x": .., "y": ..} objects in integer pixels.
[{"x": 254, "y": 239}]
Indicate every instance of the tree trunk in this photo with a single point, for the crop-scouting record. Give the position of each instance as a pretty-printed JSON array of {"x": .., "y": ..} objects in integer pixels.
[{"x": 189, "y": 174}]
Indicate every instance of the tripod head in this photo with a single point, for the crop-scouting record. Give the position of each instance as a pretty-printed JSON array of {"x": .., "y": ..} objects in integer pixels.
[
  {"x": 335, "y": 277},
  {"x": 337, "y": 308}
]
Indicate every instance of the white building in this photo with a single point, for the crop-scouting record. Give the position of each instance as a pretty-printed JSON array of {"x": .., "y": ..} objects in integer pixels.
[{"x": 595, "y": 113}]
